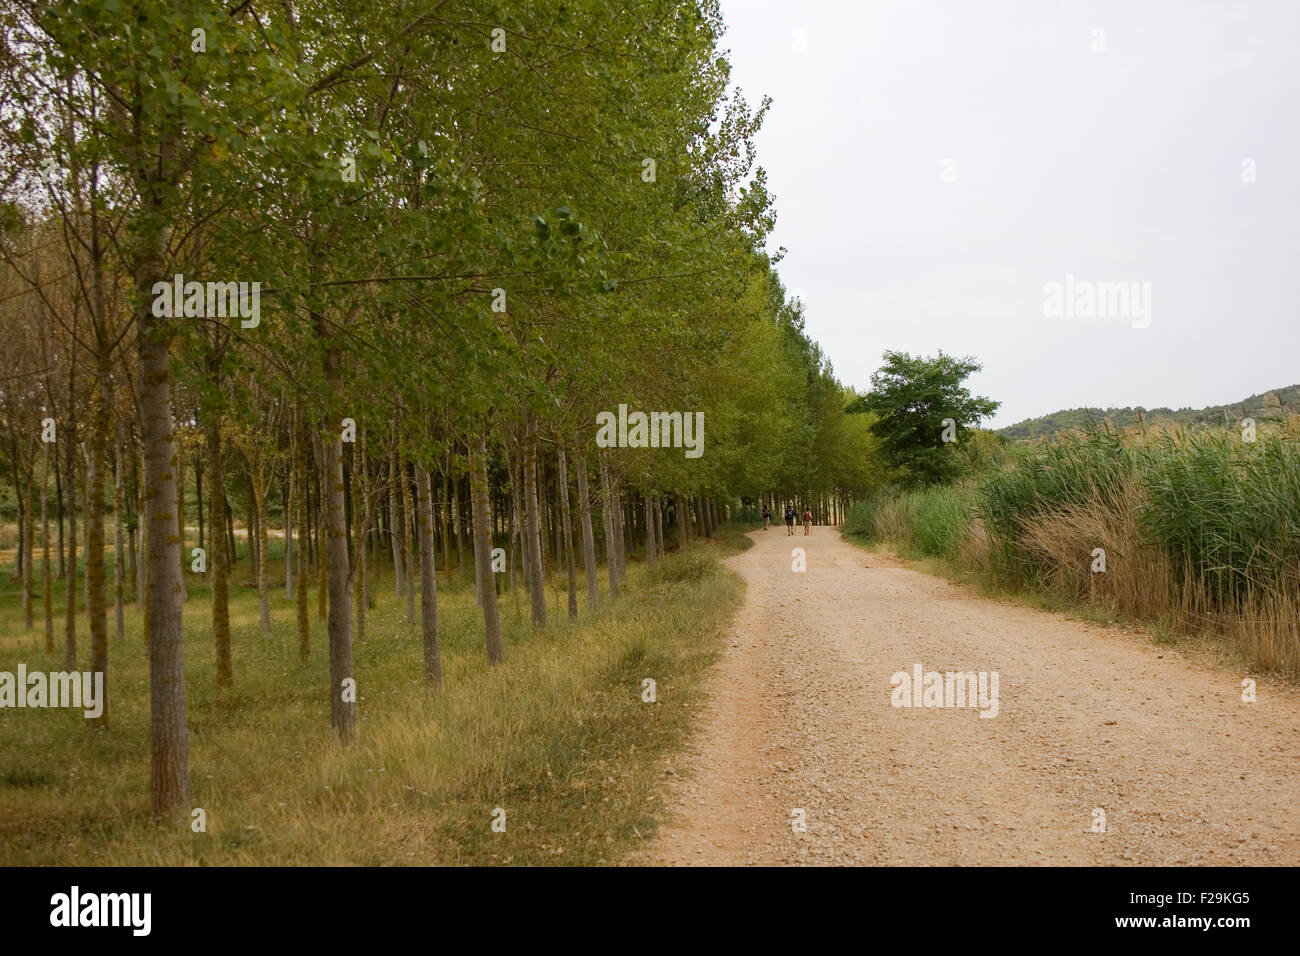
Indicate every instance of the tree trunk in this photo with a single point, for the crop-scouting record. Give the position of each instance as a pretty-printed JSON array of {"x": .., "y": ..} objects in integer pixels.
[
  {"x": 483, "y": 547},
  {"x": 659, "y": 525},
  {"x": 290, "y": 492},
  {"x": 517, "y": 551},
  {"x": 231, "y": 541},
  {"x": 370, "y": 522},
  {"x": 567, "y": 527},
  {"x": 133, "y": 531},
  {"x": 588, "y": 538},
  {"x": 361, "y": 511},
  {"x": 96, "y": 580},
  {"x": 410, "y": 536},
  {"x": 25, "y": 532},
  {"x": 512, "y": 526},
  {"x": 454, "y": 485},
  {"x": 250, "y": 532},
  {"x": 300, "y": 470},
  {"x": 259, "y": 545},
  {"x": 142, "y": 552},
  {"x": 349, "y": 515},
  {"x": 70, "y": 570},
  {"x": 47, "y": 587},
  {"x": 58, "y": 510},
  {"x": 619, "y": 538},
  {"x": 169, "y": 763},
  {"x": 628, "y": 511},
  {"x": 306, "y": 539},
  {"x": 444, "y": 515},
  {"x": 343, "y": 690},
  {"x": 119, "y": 551},
  {"x": 84, "y": 603},
  {"x": 428, "y": 579},
  {"x": 198, "y": 495},
  {"x": 650, "y": 555},
  {"x": 611, "y": 539},
  {"x": 180, "y": 510},
  {"x": 28, "y": 546},
  {"x": 557, "y": 537},
  {"x": 323, "y": 553},
  {"x": 343, "y": 712},
  {"x": 396, "y": 524},
  {"x": 218, "y": 558},
  {"x": 532, "y": 536},
  {"x": 479, "y": 580}
]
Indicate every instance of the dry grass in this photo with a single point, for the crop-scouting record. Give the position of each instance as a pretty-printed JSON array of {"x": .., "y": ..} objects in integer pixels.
[
  {"x": 973, "y": 548},
  {"x": 1137, "y": 579},
  {"x": 1201, "y": 532},
  {"x": 1141, "y": 582},
  {"x": 557, "y": 736}
]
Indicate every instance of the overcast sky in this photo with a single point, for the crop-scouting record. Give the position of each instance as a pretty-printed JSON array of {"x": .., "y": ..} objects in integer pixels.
[{"x": 1122, "y": 165}]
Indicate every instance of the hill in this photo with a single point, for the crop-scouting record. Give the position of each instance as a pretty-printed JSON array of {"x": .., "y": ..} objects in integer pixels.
[{"x": 1271, "y": 404}]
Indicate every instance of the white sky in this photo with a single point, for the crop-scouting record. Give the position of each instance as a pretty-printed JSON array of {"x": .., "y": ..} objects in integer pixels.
[{"x": 1121, "y": 165}]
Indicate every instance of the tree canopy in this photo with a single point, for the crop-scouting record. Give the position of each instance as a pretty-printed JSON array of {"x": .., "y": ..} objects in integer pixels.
[
  {"x": 441, "y": 239},
  {"x": 922, "y": 411}
]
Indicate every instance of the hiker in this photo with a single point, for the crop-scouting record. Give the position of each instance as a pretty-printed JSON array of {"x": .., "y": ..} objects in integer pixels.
[
  {"x": 789, "y": 519},
  {"x": 807, "y": 521},
  {"x": 767, "y": 516}
]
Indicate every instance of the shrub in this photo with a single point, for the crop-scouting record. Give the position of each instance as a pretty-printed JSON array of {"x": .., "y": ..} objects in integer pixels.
[
  {"x": 860, "y": 519},
  {"x": 1201, "y": 531},
  {"x": 932, "y": 521},
  {"x": 942, "y": 519}
]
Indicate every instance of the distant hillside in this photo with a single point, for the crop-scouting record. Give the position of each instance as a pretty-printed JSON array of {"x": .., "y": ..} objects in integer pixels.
[{"x": 1272, "y": 404}]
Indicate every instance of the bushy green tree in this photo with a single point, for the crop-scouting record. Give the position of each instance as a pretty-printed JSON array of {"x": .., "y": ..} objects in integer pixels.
[{"x": 922, "y": 411}]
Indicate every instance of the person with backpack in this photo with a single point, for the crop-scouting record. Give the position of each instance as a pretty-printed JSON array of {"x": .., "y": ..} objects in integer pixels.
[
  {"x": 807, "y": 521},
  {"x": 767, "y": 516},
  {"x": 789, "y": 519}
]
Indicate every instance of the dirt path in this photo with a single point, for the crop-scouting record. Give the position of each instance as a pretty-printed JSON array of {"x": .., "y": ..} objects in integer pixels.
[{"x": 800, "y": 716}]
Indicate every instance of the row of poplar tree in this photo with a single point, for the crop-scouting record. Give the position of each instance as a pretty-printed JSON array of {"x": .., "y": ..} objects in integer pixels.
[{"x": 473, "y": 225}]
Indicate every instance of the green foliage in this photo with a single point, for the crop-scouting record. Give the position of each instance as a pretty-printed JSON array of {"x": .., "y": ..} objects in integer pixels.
[
  {"x": 927, "y": 522},
  {"x": 452, "y": 242},
  {"x": 860, "y": 518},
  {"x": 943, "y": 516},
  {"x": 1074, "y": 471},
  {"x": 912, "y": 397},
  {"x": 474, "y": 170},
  {"x": 1227, "y": 512}
]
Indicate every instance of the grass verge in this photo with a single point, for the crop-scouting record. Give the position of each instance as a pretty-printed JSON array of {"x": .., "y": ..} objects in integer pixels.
[{"x": 558, "y": 736}]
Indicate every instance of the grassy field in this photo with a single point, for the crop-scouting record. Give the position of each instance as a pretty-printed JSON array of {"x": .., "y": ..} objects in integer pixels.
[{"x": 558, "y": 737}]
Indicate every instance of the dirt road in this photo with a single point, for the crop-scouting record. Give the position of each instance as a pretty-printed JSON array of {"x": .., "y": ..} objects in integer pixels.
[{"x": 1090, "y": 721}]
